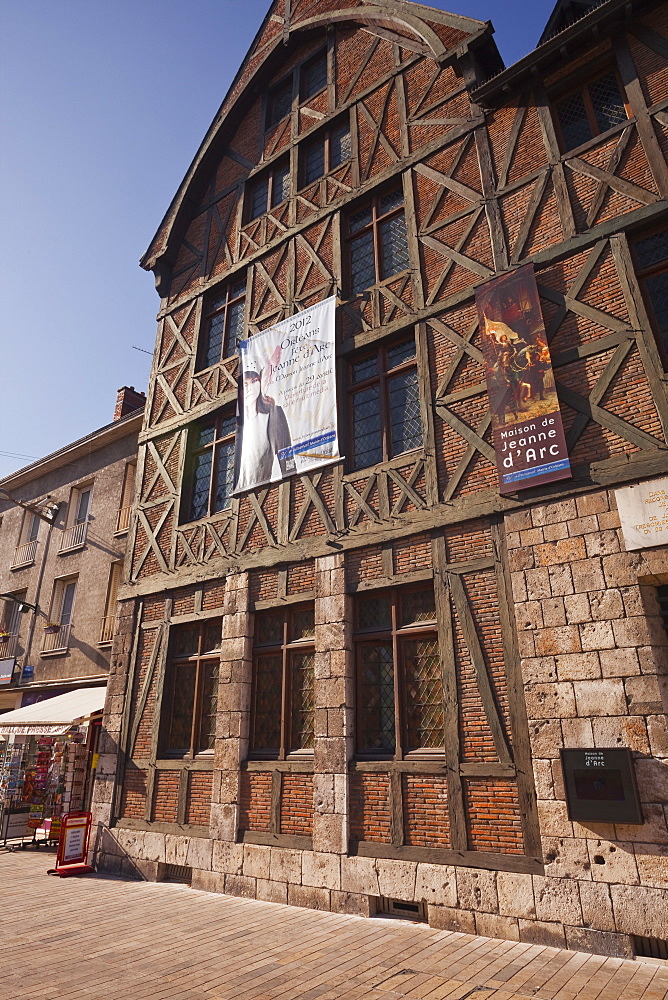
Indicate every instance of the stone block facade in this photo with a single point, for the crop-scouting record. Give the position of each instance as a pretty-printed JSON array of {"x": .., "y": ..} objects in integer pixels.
[{"x": 381, "y": 662}]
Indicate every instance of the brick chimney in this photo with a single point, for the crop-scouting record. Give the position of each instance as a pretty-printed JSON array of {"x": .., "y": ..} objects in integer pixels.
[{"x": 128, "y": 400}]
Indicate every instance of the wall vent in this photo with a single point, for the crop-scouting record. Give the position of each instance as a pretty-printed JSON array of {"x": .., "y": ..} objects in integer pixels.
[
  {"x": 177, "y": 873},
  {"x": 400, "y": 908},
  {"x": 649, "y": 947}
]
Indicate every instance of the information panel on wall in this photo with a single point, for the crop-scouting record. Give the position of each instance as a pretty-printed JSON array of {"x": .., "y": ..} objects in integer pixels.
[
  {"x": 528, "y": 434},
  {"x": 286, "y": 420}
]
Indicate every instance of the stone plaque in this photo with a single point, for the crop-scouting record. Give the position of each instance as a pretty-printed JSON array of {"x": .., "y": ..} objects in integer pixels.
[{"x": 643, "y": 512}]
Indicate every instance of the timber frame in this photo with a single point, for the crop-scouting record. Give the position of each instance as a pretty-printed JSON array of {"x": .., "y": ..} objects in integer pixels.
[{"x": 486, "y": 189}]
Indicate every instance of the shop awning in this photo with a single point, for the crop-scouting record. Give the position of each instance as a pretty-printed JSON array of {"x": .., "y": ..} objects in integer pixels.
[{"x": 53, "y": 716}]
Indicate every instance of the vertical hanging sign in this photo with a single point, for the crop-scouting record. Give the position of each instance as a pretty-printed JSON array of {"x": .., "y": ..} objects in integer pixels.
[
  {"x": 528, "y": 434},
  {"x": 286, "y": 417}
]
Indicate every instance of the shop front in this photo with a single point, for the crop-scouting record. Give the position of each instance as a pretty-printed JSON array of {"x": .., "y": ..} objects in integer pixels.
[{"x": 47, "y": 763}]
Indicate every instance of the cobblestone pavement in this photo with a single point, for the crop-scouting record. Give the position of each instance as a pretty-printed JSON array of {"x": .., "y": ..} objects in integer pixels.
[{"x": 100, "y": 938}]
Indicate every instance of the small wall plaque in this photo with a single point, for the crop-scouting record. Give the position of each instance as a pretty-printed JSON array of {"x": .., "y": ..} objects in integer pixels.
[
  {"x": 643, "y": 514},
  {"x": 601, "y": 786}
]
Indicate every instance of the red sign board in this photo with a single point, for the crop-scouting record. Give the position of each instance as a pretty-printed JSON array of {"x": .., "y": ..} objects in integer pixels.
[
  {"x": 73, "y": 845},
  {"x": 528, "y": 434}
]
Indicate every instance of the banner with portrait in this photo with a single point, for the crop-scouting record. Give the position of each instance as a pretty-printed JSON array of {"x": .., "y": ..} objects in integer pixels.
[
  {"x": 527, "y": 430},
  {"x": 286, "y": 416}
]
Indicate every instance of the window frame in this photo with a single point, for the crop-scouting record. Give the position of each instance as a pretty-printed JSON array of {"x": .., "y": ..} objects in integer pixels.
[
  {"x": 286, "y": 648},
  {"x": 642, "y": 274},
  {"x": 385, "y": 375},
  {"x": 269, "y": 121},
  {"x": 114, "y": 582},
  {"x": 378, "y": 221},
  {"x": 209, "y": 314},
  {"x": 396, "y": 634},
  {"x": 60, "y": 587},
  {"x": 323, "y": 137},
  {"x": 200, "y": 659},
  {"x": 316, "y": 57},
  {"x": 295, "y": 79},
  {"x": 219, "y": 438},
  {"x": 581, "y": 87},
  {"x": 74, "y": 505},
  {"x": 266, "y": 178}
]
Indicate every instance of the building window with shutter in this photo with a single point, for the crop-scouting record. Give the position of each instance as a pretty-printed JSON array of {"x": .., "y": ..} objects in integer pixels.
[
  {"x": 590, "y": 110},
  {"x": 75, "y": 534},
  {"x": 383, "y": 404},
  {"x": 109, "y": 620},
  {"x": 324, "y": 153},
  {"x": 127, "y": 496},
  {"x": 189, "y": 702},
  {"x": 209, "y": 477},
  {"x": 400, "y": 708},
  {"x": 222, "y": 323},
  {"x": 58, "y": 628},
  {"x": 376, "y": 241},
  {"x": 282, "y": 707},
  {"x": 651, "y": 262}
]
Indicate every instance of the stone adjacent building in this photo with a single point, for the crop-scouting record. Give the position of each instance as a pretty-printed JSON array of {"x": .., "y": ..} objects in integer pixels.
[
  {"x": 67, "y": 568},
  {"x": 350, "y": 689}
]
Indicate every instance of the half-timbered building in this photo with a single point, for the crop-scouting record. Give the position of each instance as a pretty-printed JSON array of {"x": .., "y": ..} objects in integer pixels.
[{"x": 349, "y": 689}]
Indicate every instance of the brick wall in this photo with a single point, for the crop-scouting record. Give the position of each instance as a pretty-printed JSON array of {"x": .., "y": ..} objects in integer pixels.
[
  {"x": 370, "y": 807},
  {"x": 297, "y": 804},
  {"x": 165, "y": 796},
  {"x": 133, "y": 796},
  {"x": 254, "y": 800},
  {"x": 198, "y": 801},
  {"x": 493, "y": 816},
  {"x": 426, "y": 821}
]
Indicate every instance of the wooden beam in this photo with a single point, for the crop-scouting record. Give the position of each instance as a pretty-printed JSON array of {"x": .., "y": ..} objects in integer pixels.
[
  {"x": 636, "y": 98},
  {"x": 446, "y": 647},
  {"x": 464, "y": 858},
  {"x": 487, "y": 695},
  {"x": 516, "y": 700}
]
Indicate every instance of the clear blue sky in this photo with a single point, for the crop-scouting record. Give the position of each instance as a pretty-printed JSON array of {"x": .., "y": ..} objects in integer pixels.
[{"x": 103, "y": 105}]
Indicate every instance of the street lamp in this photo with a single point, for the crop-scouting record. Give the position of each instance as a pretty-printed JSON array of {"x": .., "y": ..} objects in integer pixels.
[{"x": 45, "y": 509}]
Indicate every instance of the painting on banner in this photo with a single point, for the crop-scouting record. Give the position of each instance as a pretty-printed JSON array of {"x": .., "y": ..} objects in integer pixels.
[
  {"x": 286, "y": 418},
  {"x": 528, "y": 434}
]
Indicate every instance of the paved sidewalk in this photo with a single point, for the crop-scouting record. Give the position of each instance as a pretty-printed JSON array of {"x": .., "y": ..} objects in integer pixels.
[{"x": 99, "y": 938}]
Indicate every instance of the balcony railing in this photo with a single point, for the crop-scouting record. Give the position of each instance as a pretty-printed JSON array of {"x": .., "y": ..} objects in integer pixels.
[
  {"x": 24, "y": 554},
  {"x": 123, "y": 519},
  {"x": 57, "y": 640},
  {"x": 8, "y": 646},
  {"x": 108, "y": 628},
  {"x": 74, "y": 537}
]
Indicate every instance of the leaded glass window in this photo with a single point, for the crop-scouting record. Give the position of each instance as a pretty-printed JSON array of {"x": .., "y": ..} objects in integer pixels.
[
  {"x": 651, "y": 256},
  {"x": 283, "y": 691},
  {"x": 190, "y": 696},
  {"x": 377, "y": 243},
  {"x": 267, "y": 190},
  {"x": 313, "y": 76},
  {"x": 321, "y": 155},
  {"x": 223, "y": 323},
  {"x": 279, "y": 102},
  {"x": 210, "y": 470},
  {"x": 385, "y": 416},
  {"x": 400, "y": 701},
  {"x": 590, "y": 110}
]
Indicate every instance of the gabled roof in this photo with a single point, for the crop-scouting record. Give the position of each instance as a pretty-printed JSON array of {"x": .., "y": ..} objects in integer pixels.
[
  {"x": 565, "y": 13},
  {"x": 434, "y": 33}
]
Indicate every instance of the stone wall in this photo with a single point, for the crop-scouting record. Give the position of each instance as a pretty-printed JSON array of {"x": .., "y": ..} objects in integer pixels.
[{"x": 593, "y": 658}]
